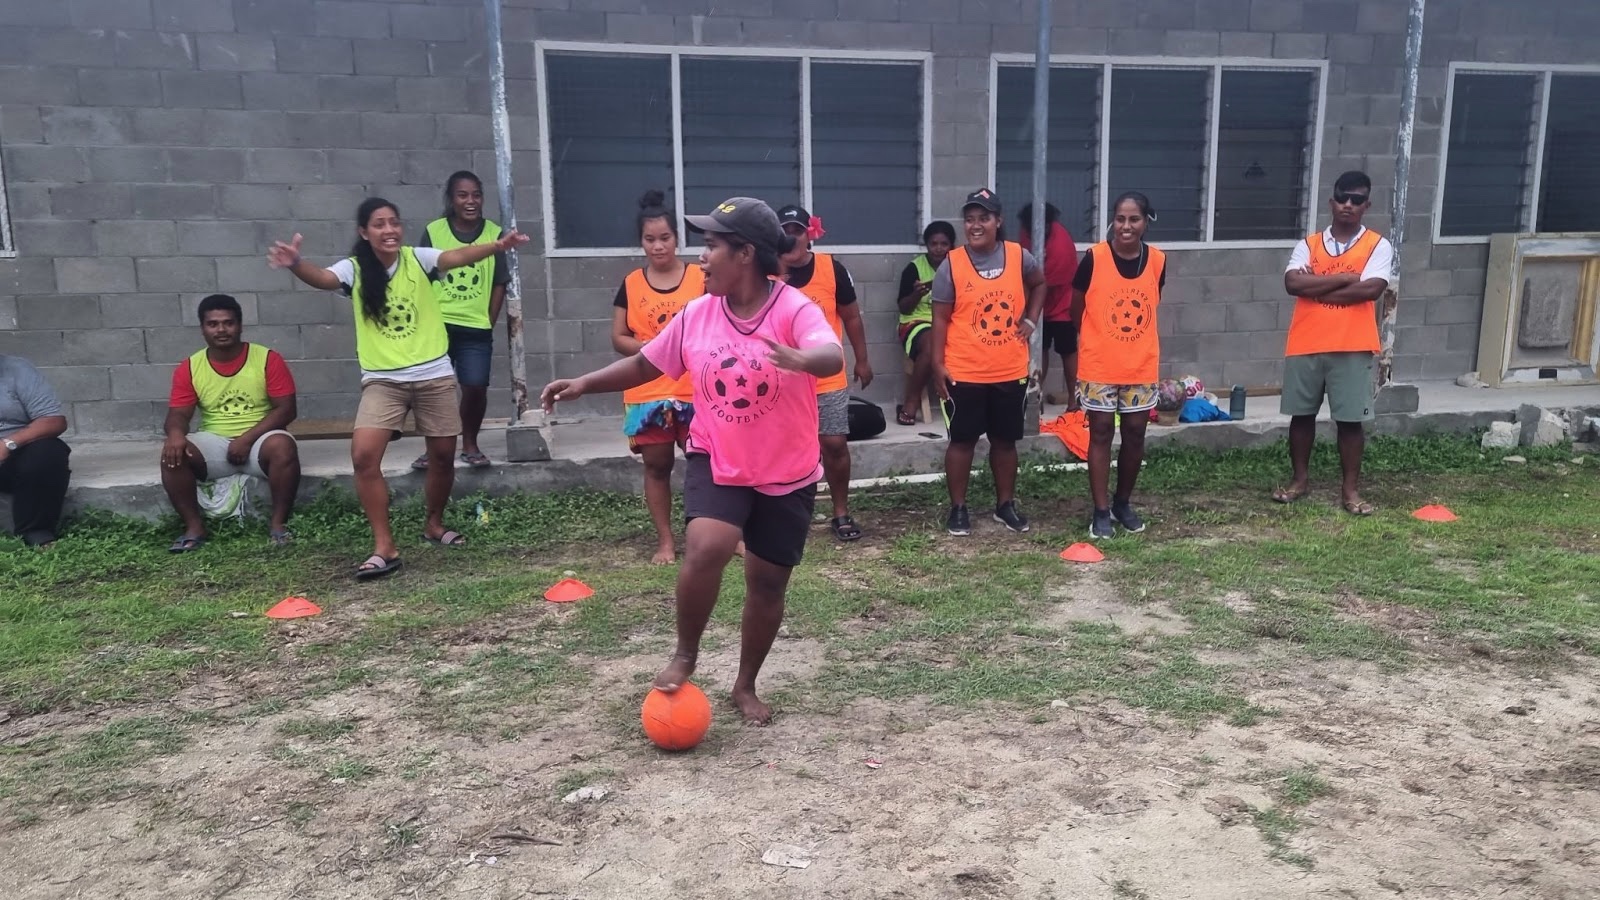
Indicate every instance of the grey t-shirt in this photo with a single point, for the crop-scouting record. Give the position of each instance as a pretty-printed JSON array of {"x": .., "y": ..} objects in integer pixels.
[
  {"x": 989, "y": 265},
  {"x": 24, "y": 395}
]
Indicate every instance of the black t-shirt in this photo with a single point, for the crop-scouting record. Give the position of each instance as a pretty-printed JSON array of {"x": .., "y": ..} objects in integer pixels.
[
  {"x": 908, "y": 280},
  {"x": 502, "y": 272},
  {"x": 1128, "y": 268},
  {"x": 844, "y": 286},
  {"x": 621, "y": 300}
]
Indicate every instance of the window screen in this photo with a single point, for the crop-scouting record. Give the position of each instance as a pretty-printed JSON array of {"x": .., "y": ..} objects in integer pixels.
[
  {"x": 1072, "y": 156},
  {"x": 1263, "y": 150},
  {"x": 866, "y": 151},
  {"x": 1570, "y": 181},
  {"x": 1486, "y": 175},
  {"x": 1158, "y": 146},
  {"x": 741, "y": 131},
  {"x": 610, "y": 141}
]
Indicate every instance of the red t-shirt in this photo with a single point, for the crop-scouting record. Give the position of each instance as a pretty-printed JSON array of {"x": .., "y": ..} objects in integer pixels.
[
  {"x": 279, "y": 382},
  {"x": 1060, "y": 264}
]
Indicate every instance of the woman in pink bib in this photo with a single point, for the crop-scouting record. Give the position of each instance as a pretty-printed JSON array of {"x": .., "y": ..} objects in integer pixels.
[{"x": 753, "y": 348}]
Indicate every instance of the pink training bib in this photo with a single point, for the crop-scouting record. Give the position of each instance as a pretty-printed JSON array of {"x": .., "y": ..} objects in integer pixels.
[{"x": 756, "y": 422}]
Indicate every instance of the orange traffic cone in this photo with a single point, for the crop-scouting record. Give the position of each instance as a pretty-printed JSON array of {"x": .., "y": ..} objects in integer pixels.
[
  {"x": 1082, "y": 553},
  {"x": 1434, "y": 513},
  {"x": 293, "y": 608},
  {"x": 568, "y": 590}
]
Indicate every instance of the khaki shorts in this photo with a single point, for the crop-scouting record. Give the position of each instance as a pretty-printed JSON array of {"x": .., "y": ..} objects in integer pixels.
[
  {"x": 432, "y": 403},
  {"x": 214, "y": 450},
  {"x": 1344, "y": 378}
]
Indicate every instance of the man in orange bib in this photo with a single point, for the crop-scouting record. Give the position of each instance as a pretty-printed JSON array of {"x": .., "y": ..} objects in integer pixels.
[
  {"x": 987, "y": 297},
  {"x": 1336, "y": 277}
]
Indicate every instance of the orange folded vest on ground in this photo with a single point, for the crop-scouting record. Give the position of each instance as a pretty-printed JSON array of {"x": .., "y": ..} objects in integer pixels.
[{"x": 1073, "y": 429}]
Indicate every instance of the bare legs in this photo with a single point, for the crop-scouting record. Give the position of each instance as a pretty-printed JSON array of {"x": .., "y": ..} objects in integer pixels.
[
  {"x": 658, "y": 461},
  {"x": 708, "y": 547}
]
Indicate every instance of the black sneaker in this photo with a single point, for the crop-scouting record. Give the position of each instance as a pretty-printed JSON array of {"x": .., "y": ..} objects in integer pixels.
[
  {"x": 1100, "y": 526},
  {"x": 1008, "y": 515},
  {"x": 959, "y": 523},
  {"x": 1126, "y": 517}
]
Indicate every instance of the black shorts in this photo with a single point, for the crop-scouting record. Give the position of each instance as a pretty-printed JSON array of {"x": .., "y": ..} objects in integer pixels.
[
  {"x": 775, "y": 528},
  {"x": 1062, "y": 336},
  {"x": 975, "y": 410}
]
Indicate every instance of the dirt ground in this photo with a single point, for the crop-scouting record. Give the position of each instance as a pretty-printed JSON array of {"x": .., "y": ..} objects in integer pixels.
[{"x": 1463, "y": 780}]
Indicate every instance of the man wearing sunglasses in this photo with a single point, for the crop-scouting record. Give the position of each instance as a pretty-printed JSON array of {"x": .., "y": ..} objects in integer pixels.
[{"x": 1336, "y": 277}]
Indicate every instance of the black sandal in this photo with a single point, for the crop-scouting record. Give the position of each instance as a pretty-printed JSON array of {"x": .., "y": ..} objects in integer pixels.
[{"x": 844, "y": 528}]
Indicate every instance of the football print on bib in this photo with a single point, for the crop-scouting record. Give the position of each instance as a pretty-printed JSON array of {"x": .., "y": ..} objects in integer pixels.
[
  {"x": 741, "y": 384},
  {"x": 1132, "y": 313},
  {"x": 994, "y": 318},
  {"x": 399, "y": 320}
]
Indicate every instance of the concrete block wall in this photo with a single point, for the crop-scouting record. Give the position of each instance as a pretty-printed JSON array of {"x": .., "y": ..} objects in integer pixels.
[{"x": 153, "y": 149}]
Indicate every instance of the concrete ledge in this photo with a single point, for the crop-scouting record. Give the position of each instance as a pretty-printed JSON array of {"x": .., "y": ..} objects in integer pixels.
[{"x": 591, "y": 453}]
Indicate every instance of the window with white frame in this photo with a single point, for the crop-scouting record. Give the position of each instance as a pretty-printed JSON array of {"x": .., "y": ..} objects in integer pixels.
[
  {"x": 1522, "y": 151},
  {"x": 1225, "y": 150},
  {"x": 843, "y": 136},
  {"x": 7, "y": 248}
]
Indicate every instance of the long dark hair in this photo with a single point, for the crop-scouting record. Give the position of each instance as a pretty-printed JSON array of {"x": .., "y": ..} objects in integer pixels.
[
  {"x": 374, "y": 274},
  {"x": 653, "y": 205},
  {"x": 450, "y": 190}
]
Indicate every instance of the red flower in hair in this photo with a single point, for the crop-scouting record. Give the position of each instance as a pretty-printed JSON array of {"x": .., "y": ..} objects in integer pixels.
[{"x": 814, "y": 229}]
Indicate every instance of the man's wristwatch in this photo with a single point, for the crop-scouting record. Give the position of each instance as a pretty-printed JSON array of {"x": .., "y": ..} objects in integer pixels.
[{"x": 10, "y": 445}]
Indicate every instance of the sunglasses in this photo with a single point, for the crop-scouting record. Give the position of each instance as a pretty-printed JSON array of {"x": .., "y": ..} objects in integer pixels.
[{"x": 1351, "y": 199}]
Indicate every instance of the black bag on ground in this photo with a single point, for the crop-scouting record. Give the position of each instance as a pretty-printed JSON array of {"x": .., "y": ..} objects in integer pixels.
[{"x": 866, "y": 419}]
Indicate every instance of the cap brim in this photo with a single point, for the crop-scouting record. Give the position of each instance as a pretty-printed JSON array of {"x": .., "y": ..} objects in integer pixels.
[
  {"x": 987, "y": 207},
  {"x": 704, "y": 224}
]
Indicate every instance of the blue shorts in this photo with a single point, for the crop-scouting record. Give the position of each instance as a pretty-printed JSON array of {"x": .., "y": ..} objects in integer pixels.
[{"x": 470, "y": 352}]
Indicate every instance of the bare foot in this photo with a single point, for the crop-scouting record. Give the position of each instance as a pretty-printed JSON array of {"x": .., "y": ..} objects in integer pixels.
[
  {"x": 739, "y": 550},
  {"x": 666, "y": 555},
  {"x": 678, "y": 670},
  {"x": 750, "y": 706}
]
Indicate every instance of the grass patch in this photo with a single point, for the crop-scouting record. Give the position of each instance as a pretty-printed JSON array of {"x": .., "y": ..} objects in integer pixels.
[
  {"x": 579, "y": 778},
  {"x": 318, "y": 729}
]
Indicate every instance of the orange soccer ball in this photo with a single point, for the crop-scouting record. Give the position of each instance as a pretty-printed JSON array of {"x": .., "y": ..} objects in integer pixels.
[{"x": 676, "y": 721}]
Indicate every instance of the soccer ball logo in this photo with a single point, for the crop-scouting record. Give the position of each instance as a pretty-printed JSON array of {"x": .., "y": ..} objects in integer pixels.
[
  {"x": 742, "y": 383},
  {"x": 996, "y": 318},
  {"x": 1128, "y": 316},
  {"x": 233, "y": 404},
  {"x": 399, "y": 320},
  {"x": 463, "y": 282}
]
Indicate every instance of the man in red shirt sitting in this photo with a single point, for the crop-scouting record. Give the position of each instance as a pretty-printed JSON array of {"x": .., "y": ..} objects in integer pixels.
[
  {"x": 246, "y": 399},
  {"x": 1060, "y": 319}
]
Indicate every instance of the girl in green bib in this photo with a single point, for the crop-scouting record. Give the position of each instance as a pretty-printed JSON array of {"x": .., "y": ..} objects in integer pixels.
[
  {"x": 470, "y": 298},
  {"x": 916, "y": 314},
  {"x": 403, "y": 349}
]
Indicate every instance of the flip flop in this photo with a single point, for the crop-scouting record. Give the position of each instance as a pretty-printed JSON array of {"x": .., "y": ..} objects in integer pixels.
[
  {"x": 187, "y": 543},
  {"x": 1359, "y": 508},
  {"x": 448, "y": 539},
  {"x": 281, "y": 538},
  {"x": 902, "y": 417},
  {"x": 376, "y": 566},
  {"x": 477, "y": 460},
  {"x": 1284, "y": 495},
  {"x": 420, "y": 464},
  {"x": 844, "y": 528}
]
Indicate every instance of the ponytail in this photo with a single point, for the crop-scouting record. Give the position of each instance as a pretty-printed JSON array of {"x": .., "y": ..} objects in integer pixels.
[{"x": 374, "y": 280}]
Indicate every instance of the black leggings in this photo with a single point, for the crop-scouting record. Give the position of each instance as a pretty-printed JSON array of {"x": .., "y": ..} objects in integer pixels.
[{"x": 35, "y": 476}]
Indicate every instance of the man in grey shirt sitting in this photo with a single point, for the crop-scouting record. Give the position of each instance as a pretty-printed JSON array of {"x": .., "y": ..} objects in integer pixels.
[{"x": 33, "y": 458}]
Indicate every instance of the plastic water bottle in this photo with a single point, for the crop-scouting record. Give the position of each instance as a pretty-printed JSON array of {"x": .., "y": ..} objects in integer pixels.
[
  {"x": 483, "y": 515},
  {"x": 1236, "y": 403}
]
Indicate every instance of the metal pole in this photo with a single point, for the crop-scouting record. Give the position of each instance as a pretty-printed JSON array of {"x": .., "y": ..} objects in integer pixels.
[
  {"x": 1041, "y": 145},
  {"x": 500, "y": 120},
  {"x": 1390, "y": 304}
]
